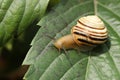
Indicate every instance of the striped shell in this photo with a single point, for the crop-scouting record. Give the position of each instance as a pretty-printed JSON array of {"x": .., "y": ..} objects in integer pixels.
[{"x": 89, "y": 31}]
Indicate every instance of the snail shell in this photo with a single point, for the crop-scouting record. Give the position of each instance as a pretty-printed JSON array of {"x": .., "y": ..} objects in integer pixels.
[{"x": 89, "y": 31}]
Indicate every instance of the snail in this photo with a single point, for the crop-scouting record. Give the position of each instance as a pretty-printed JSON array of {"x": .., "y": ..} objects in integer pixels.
[{"x": 89, "y": 32}]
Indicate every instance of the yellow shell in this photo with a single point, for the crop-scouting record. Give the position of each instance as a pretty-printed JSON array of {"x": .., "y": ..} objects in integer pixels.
[{"x": 89, "y": 30}]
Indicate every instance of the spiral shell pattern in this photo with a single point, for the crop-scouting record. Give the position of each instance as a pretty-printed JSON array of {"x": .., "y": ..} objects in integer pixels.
[{"x": 90, "y": 31}]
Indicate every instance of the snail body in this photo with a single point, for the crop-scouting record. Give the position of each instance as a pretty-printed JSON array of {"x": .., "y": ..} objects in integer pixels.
[
  {"x": 89, "y": 32},
  {"x": 65, "y": 42}
]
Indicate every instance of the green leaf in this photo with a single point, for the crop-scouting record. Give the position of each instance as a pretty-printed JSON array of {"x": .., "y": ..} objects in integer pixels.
[
  {"x": 17, "y": 15},
  {"x": 102, "y": 63}
]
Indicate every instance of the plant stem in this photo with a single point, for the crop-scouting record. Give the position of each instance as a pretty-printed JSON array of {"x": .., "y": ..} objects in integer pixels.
[{"x": 95, "y": 7}]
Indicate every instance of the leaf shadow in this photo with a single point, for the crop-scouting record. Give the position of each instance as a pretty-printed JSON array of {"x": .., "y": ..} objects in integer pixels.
[{"x": 100, "y": 49}]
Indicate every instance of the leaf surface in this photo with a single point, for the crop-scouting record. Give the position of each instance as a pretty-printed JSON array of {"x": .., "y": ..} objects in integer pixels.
[{"x": 102, "y": 63}]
